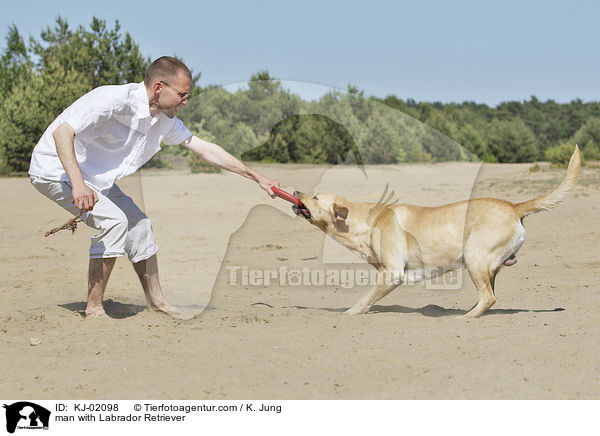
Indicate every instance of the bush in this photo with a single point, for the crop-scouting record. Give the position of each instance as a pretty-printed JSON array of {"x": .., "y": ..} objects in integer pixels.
[
  {"x": 489, "y": 158},
  {"x": 560, "y": 154},
  {"x": 588, "y": 138},
  {"x": 156, "y": 162},
  {"x": 511, "y": 141}
]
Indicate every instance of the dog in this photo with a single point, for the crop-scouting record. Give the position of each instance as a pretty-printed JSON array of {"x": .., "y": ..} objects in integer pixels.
[{"x": 413, "y": 243}]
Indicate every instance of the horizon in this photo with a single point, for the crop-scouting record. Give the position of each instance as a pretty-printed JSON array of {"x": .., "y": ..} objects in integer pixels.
[{"x": 307, "y": 93}]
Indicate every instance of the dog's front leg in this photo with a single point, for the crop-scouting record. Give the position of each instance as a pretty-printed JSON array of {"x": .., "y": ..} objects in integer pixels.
[{"x": 391, "y": 280}]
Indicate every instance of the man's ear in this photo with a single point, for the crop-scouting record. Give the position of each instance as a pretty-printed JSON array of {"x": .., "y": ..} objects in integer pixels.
[
  {"x": 157, "y": 88},
  {"x": 339, "y": 213}
]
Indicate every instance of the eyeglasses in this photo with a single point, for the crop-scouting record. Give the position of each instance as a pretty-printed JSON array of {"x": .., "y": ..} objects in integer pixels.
[{"x": 182, "y": 95}]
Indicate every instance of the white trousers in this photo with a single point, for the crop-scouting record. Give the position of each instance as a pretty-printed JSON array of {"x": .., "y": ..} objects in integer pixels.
[{"x": 123, "y": 227}]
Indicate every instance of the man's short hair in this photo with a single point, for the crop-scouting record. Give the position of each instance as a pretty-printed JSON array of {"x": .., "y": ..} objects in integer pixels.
[{"x": 165, "y": 67}]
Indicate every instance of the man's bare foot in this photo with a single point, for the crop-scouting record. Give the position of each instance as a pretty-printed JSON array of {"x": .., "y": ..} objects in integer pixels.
[
  {"x": 163, "y": 306},
  {"x": 94, "y": 312}
]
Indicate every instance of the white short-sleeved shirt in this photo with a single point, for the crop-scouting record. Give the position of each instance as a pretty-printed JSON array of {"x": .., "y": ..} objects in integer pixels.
[{"x": 114, "y": 136}]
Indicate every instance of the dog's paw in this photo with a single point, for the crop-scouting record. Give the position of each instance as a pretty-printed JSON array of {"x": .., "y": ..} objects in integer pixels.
[{"x": 352, "y": 311}]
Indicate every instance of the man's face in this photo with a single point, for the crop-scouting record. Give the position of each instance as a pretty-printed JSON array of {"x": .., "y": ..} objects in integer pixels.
[{"x": 174, "y": 94}]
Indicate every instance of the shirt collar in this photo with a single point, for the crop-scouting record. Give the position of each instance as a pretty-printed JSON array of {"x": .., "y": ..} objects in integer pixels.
[{"x": 142, "y": 102}]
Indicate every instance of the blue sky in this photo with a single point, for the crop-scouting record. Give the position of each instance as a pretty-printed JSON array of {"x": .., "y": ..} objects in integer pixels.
[{"x": 486, "y": 52}]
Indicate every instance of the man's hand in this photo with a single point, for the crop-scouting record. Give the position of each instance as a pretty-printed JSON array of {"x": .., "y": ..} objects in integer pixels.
[
  {"x": 84, "y": 197},
  {"x": 267, "y": 184}
]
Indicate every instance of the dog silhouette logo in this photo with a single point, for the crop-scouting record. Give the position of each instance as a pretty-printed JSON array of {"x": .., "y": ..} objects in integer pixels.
[{"x": 26, "y": 415}]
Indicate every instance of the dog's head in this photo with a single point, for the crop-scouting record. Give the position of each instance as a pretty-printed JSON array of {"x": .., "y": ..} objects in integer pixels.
[{"x": 327, "y": 211}]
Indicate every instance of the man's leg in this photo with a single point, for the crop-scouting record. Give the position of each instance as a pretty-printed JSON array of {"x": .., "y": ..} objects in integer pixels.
[
  {"x": 141, "y": 249},
  {"x": 108, "y": 244},
  {"x": 99, "y": 272},
  {"x": 147, "y": 271}
]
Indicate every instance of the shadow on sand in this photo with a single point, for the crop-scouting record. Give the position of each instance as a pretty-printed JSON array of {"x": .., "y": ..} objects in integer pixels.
[
  {"x": 434, "y": 311},
  {"x": 113, "y": 309}
]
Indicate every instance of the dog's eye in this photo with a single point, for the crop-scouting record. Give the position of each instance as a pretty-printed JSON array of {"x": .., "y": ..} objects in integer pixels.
[{"x": 315, "y": 198}]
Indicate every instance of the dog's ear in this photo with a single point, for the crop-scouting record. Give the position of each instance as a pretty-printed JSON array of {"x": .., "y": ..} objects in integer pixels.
[{"x": 339, "y": 213}]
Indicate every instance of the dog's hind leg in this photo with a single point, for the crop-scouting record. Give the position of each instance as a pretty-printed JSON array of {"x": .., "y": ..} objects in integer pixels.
[
  {"x": 484, "y": 281},
  {"x": 486, "y": 299},
  {"x": 493, "y": 281}
]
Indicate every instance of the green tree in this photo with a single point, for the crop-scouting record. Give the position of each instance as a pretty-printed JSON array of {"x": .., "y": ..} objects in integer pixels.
[
  {"x": 102, "y": 55},
  {"x": 32, "y": 106},
  {"x": 560, "y": 154},
  {"x": 264, "y": 104},
  {"x": 305, "y": 138},
  {"x": 473, "y": 141},
  {"x": 439, "y": 144},
  {"x": 242, "y": 120},
  {"x": 70, "y": 64},
  {"x": 512, "y": 141},
  {"x": 15, "y": 64},
  {"x": 588, "y": 138},
  {"x": 382, "y": 143}
]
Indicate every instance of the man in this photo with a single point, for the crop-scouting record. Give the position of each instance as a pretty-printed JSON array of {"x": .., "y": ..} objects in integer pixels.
[{"x": 108, "y": 134}]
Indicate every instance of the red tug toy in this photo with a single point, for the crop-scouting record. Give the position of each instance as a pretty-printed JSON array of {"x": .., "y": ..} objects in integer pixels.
[{"x": 297, "y": 207}]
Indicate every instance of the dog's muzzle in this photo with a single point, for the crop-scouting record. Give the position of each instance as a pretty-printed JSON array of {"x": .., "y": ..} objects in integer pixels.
[{"x": 300, "y": 210}]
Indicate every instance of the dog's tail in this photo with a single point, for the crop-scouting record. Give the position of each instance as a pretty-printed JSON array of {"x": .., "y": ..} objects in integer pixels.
[{"x": 558, "y": 195}]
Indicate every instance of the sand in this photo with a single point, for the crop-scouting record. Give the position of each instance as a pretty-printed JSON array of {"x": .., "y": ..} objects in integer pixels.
[{"x": 220, "y": 237}]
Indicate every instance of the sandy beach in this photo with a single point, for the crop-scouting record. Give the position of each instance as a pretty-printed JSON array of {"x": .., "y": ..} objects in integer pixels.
[{"x": 268, "y": 324}]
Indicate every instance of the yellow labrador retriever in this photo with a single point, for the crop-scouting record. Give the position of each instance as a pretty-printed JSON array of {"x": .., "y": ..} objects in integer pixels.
[{"x": 411, "y": 243}]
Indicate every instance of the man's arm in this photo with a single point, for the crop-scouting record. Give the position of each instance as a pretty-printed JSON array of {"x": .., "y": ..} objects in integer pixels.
[
  {"x": 64, "y": 137},
  {"x": 217, "y": 156}
]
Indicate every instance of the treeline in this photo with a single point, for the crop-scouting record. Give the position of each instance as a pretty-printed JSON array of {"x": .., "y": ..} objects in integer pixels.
[{"x": 266, "y": 122}]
